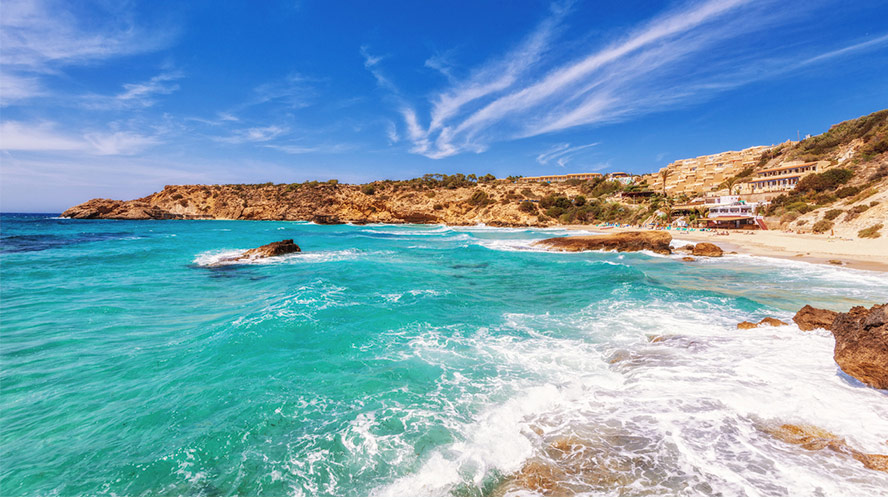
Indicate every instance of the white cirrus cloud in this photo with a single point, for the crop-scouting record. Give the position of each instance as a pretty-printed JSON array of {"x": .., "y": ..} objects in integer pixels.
[
  {"x": 254, "y": 134},
  {"x": 44, "y": 137},
  {"x": 682, "y": 56}
]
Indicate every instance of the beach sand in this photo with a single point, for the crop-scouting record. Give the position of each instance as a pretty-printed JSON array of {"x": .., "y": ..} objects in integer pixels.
[{"x": 857, "y": 253}]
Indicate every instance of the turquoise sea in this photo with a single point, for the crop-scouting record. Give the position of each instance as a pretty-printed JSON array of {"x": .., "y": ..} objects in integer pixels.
[{"x": 425, "y": 360}]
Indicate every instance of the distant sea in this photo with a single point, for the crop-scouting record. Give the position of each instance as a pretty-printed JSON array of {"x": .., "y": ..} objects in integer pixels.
[{"x": 390, "y": 360}]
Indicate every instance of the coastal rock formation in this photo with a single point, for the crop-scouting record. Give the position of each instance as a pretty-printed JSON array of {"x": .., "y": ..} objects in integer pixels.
[
  {"x": 862, "y": 344},
  {"x": 707, "y": 250},
  {"x": 277, "y": 248},
  {"x": 861, "y": 340},
  {"x": 814, "y": 438},
  {"x": 810, "y": 318},
  {"x": 768, "y": 321},
  {"x": 282, "y": 247},
  {"x": 388, "y": 202},
  {"x": 630, "y": 241},
  {"x": 103, "y": 208}
]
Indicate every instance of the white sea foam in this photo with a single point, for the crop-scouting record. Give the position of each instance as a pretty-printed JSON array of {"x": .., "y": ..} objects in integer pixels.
[
  {"x": 691, "y": 407},
  {"x": 226, "y": 257}
]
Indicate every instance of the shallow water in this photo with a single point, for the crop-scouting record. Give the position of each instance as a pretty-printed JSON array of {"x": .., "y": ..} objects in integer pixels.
[{"x": 412, "y": 360}]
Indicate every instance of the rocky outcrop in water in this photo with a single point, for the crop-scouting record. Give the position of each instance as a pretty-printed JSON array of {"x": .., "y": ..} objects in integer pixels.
[
  {"x": 862, "y": 344},
  {"x": 707, "y": 250},
  {"x": 861, "y": 340},
  {"x": 282, "y": 247},
  {"x": 277, "y": 248},
  {"x": 768, "y": 321},
  {"x": 630, "y": 241},
  {"x": 810, "y": 318}
]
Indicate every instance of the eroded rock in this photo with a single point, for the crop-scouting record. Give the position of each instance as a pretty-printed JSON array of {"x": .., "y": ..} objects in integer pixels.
[
  {"x": 862, "y": 344},
  {"x": 768, "y": 321},
  {"x": 810, "y": 318},
  {"x": 704, "y": 249},
  {"x": 630, "y": 241}
]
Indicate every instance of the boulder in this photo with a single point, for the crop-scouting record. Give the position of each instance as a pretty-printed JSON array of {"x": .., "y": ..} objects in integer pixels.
[
  {"x": 282, "y": 247},
  {"x": 707, "y": 250},
  {"x": 688, "y": 259},
  {"x": 630, "y": 241},
  {"x": 769, "y": 321},
  {"x": 862, "y": 344},
  {"x": 810, "y": 318}
]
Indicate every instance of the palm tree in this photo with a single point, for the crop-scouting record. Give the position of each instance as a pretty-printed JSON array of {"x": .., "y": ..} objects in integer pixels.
[
  {"x": 664, "y": 173},
  {"x": 730, "y": 183}
]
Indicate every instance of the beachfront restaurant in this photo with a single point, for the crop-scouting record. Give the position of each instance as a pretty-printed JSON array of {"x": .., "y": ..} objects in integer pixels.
[{"x": 735, "y": 216}]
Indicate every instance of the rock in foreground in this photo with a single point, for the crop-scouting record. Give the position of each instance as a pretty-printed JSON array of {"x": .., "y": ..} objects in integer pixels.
[
  {"x": 862, "y": 344},
  {"x": 810, "y": 318},
  {"x": 630, "y": 241},
  {"x": 707, "y": 250}
]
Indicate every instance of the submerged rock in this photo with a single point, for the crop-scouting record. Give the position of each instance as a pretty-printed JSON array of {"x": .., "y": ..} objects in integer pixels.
[
  {"x": 810, "y": 318},
  {"x": 862, "y": 344},
  {"x": 814, "y": 438},
  {"x": 707, "y": 250},
  {"x": 630, "y": 241}
]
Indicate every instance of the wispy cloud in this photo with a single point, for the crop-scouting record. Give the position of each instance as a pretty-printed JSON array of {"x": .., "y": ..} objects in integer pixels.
[
  {"x": 562, "y": 154},
  {"x": 371, "y": 63},
  {"x": 664, "y": 62},
  {"x": 294, "y": 91},
  {"x": 45, "y": 137},
  {"x": 254, "y": 134},
  {"x": 41, "y": 37}
]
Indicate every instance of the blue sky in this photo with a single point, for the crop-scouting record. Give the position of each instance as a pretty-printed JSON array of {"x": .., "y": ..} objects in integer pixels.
[{"x": 116, "y": 99}]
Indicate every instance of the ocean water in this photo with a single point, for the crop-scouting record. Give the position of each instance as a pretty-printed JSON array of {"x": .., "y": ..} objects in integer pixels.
[{"x": 424, "y": 360}]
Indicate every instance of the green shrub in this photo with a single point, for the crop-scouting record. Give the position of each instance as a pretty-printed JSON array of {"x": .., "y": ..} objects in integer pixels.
[
  {"x": 789, "y": 217},
  {"x": 438, "y": 206},
  {"x": 527, "y": 192},
  {"x": 368, "y": 189},
  {"x": 822, "y": 226},
  {"x": 832, "y": 214},
  {"x": 580, "y": 201},
  {"x": 527, "y": 207},
  {"x": 798, "y": 206},
  {"x": 855, "y": 211},
  {"x": 870, "y": 232},
  {"x": 479, "y": 199},
  {"x": 824, "y": 181},
  {"x": 847, "y": 191}
]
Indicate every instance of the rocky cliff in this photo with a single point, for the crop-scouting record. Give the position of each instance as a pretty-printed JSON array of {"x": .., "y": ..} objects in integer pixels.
[{"x": 494, "y": 202}]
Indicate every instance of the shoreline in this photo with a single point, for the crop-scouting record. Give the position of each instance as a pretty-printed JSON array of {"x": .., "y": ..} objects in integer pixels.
[{"x": 816, "y": 249}]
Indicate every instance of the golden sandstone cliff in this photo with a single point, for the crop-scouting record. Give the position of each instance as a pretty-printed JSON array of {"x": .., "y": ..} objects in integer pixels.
[
  {"x": 494, "y": 202},
  {"x": 847, "y": 194}
]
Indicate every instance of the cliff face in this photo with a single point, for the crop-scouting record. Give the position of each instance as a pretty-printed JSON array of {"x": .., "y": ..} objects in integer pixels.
[{"x": 494, "y": 203}]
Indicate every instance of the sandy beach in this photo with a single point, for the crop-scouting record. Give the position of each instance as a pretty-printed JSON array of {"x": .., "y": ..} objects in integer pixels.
[{"x": 857, "y": 253}]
